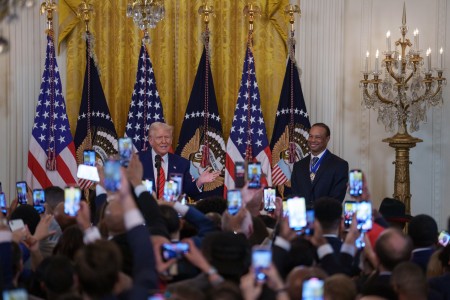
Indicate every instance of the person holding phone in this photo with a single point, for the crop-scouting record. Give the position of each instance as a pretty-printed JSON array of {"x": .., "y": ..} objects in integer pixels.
[
  {"x": 159, "y": 163},
  {"x": 321, "y": 173}
]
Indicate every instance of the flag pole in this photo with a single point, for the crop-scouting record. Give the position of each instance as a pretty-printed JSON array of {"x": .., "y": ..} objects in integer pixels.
[
  {"x": 205, "y": 11},
  {"x": 290, "y": 12},
  {"x": 251, "y": 11}
]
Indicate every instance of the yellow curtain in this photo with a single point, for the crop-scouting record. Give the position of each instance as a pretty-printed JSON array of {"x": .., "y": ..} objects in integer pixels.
[{"x": 175, "y": 52}]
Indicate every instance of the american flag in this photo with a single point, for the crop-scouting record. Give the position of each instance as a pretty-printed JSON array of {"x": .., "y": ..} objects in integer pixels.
[
  {"x": 248, "y": 137},
  {"x": 51, "y": 158},
  {"x": 145, "y": 107}
]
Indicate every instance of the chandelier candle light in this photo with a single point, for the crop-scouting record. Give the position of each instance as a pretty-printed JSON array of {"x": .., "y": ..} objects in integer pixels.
[{"x": 401, "y": 93}]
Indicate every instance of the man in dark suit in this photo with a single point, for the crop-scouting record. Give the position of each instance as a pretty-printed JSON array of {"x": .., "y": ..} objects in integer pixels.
[
  {"x": 160, "y": 139},
  {"x": 322, "y": 173}
]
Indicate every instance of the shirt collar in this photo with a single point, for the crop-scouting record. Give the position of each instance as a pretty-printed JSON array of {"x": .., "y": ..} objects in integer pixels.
[
  {"x": 320, "y": 154},
  {"x": 165, "y": 157}
]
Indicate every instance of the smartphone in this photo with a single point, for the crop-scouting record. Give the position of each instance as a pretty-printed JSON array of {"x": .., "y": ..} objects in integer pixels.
[
  {"x": 269, "y": 199},
  {"x": 178, "y": 178},
  {"x": 72, "y": 197},
  {"x": 349, "y": 211},
  {"x": 112, "y": 175},
  {"x": 254, "y": 175},
  {"x": 88, "y": 172},
  {"x": 148, "y": 185},
  {"x": 261, "y": 260},
  {"x": 239, "y": 174},
  {"x": 364, "y": 216},
  {"x": 309, "y": 228},
  {"x": 125, "y": 150},
  {"x": 170, "y": 191},
  {"x": 174, "y": 250},
  {"x": 443, "y": 238},
  {"x": 312, "y": 289},
  {"x": 89, "y": 157},
  {"x": 17, "y": 294},
  {"x": 355, "y": 182},
  {"x": 234, "y": 199},
  {"x": 296, "y": 212},
  {"x": 285, "y": 208},
  {"x": 21, "y": 187},
  {"x": 16, "y": 224},
  {"x": 3, "y": 206},
  {"x": 39, "y": 200}
]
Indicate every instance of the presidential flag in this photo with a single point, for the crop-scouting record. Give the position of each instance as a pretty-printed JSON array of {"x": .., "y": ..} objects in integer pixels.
[
  {"x": 248, "y": 137},
  {"x": 95, "y": 127},
  {"x": 145, "y": 106},
  {"x": 201, "y": 138},
  {"x": 51, "y": 158},
  {"x": 290, "y": 135}
]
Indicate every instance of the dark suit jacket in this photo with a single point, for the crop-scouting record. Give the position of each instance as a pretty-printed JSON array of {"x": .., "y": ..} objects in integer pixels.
[
  {"x": 176, "y": 164},
  {"x": 422, "y": 257},
  {"x": 330, "y": 180}
]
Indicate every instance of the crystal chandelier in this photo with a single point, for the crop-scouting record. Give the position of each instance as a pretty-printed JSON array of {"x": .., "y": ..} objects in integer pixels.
[
  {"x": 146, "y": 14},
  {"x": 406, "y": 86}
]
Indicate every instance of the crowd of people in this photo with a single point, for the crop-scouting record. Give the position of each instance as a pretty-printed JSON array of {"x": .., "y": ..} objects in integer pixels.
[{"x": 129, "y": 244}]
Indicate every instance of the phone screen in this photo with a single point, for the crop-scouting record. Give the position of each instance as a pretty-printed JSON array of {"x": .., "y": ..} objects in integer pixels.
[
  {"x": 72, "y": 197},
  {"x": 112, "y": 175},
  {"x": 170, "y": 191},
  {"x": 178, "y": 178},
  {"x": 3, "y": 206},
  {"x": 21, "y": 187},
  {"x": 17, "y": 294},
  {"x": 364, "y": 216},
  {"x": 239, "y": 174},
  {"x": 269, "y": 199},
  {"x": 355, "y": 183},
  {"x": 234, "y": 199},
  {"x": 312, "y": 289},
  {"x": 443, "y": 238},
  {"x": 89, "y": 157},
  {"x": 254, "y": 175},
  {"x": 309, "y": 228},
  {"x": 148, "y": 185},
  {"x": 349, "y": 210},
  {"x": 39, "y": 200},
  {"x": 125, "y": 150},
  {"x": 16, "y": 224},
  {"x": 297, "y": 212},
  {"x": 261, "y": 260},
  {"x": 174, "y": 250}
]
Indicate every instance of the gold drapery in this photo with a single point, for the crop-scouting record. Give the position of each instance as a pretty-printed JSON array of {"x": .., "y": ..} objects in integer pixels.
[{"x": 175, "y": 52}]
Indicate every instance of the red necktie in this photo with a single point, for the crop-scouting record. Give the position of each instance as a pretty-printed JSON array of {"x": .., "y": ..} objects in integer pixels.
[{"x": 162, "y": 180}]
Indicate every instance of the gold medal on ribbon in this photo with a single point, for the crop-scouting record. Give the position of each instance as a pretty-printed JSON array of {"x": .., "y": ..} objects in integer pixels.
[{"x": 312, "y": 175}]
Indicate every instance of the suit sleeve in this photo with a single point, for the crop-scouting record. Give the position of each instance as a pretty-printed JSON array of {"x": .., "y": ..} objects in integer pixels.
[{"x": 339, "y": 188}]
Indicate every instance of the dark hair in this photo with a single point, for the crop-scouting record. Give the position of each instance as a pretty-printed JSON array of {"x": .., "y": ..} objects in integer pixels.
[
  {"x": 212, "y": 204},
  {"x": 391, "y": 252},
  {"x": 70, "y": 242},
  {"x": 324, "y": 126},
  {"x": 171, "y": 218},
  {"x": 29, "y": 216},
  {"x": 53, "y": 196},
  {"x": 58, "y": 274},
  {"x": 423, "y": 231},
  {"x": 409, "y": 280},
  {"x": 97, "y": 266},
  {"x": 328, "y": 211}
]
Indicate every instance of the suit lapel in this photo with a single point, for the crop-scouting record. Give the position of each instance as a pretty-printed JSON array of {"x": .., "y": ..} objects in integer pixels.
[{"x": 305, "y": 173}]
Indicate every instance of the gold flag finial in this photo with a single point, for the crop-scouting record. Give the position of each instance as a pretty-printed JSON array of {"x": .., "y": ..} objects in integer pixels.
[
  {"x": 48, "y": 7},
  {"x": 251, "y": 11},
  {"x": 206, "y": 11},
  {"x": 84, "y": 12},
  {"x": 289, "y": 11}
]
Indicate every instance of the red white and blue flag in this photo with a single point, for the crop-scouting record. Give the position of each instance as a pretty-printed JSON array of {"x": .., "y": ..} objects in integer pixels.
[
  {"x": 51, "y": 158},
  {"x": 145, "y": 106},
  {"x": 248, "y": 137}
]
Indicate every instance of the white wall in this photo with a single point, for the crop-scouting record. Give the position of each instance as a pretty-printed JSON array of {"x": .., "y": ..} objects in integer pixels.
[{"x": 332, "y": 36}]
